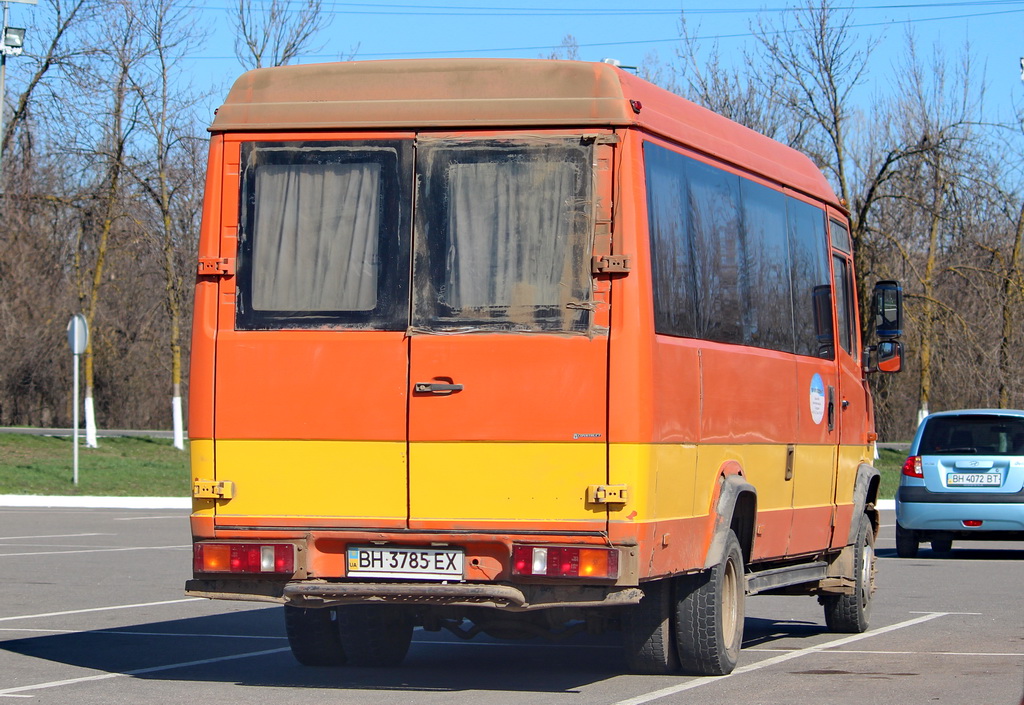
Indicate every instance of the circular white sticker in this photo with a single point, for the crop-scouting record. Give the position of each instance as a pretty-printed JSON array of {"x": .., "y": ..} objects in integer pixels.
[{"x": 817, "y": 398}]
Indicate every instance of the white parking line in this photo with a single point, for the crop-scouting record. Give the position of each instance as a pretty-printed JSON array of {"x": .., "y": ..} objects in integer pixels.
[
  {"x": 781, "y": 658},
  {"x": 92, "y": 550},
  {"x": 125, "y": 632},
  {"x": 176, "y": 517},
  {"x": 50, "y": 536},
  {"x": 101, "y": 609},
  {"x": 9, "y": 692}
]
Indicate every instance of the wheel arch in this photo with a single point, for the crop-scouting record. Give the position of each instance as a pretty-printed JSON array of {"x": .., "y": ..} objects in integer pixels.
[
  {"x": 735, "y": 511},
  {"x": 865, "y": 499}
]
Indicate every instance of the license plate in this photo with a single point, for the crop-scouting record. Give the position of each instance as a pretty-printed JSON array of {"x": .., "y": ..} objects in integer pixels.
[
  {"x": 415, "y": 563},
  {"x": 974, "y": 479}
]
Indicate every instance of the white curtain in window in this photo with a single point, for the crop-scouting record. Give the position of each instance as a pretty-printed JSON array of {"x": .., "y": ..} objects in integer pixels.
[
  {"x": 510, "y": 228},
  {"x": 315, "y": 237}
]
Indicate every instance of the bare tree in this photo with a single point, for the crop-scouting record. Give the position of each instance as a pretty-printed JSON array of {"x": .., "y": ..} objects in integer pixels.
[
  {"x": 569, "y": 49},
  {"x": 169, "y": 168},
  {"x": 268, "y": 33}
]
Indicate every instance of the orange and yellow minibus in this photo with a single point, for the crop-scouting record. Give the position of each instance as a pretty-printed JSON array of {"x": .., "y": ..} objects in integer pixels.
[{"x": 523, "y": 346}]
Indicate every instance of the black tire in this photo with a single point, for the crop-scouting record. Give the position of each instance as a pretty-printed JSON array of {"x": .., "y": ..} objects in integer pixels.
[
  {"x": 709, "y": 615},
  {"x": 375, "y": 635},
  {"x": 647, "y": 637},
  {"x": 313, "y": 636},
  {"x": 906, "y": 543},
  {"x": 942, "y": 545},
  {"x": 849, "y": 614}
]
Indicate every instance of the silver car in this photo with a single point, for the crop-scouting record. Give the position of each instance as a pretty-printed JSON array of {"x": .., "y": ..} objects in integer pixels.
[{"x": 963, "y": 479}]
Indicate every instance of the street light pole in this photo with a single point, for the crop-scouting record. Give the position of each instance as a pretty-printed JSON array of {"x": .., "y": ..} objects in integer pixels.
[
  {"x": 3, "y": 78},
  {"x": 12, "y": 43}
]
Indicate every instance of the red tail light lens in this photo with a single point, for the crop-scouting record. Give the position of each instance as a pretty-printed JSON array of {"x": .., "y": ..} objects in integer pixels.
[
  {"x": 243, "y": 558},
  {"x": 565, "y": 562},
  {"x": 972, "y": 523},
  {"x": 912, "y": 466}
]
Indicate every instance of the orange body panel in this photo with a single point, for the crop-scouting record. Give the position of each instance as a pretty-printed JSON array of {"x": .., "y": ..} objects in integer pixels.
[{"x": 511, "y": 391}]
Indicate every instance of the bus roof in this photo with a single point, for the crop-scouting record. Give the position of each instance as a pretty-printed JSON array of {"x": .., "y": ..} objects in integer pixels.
[{"x": 461, "y": 94}]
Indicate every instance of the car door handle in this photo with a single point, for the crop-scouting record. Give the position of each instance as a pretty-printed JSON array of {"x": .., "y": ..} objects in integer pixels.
[{"x": 436, "y": 388}]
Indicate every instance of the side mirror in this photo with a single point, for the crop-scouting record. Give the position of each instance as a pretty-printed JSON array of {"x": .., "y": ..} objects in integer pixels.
[
  {"x": 887, "y": 309},
  {"x": 889, "y": 356}
]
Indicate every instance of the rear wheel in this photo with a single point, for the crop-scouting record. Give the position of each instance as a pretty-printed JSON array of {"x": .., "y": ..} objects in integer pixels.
[
  {"x": 906, "y": 543},
  {"x": 313, "y": 636},
  {"x": 942, "y": 545},
  {"x": 849, "y": 613},
  {"x": 709, "y": 615},
  {"x": 647, "y": 631},
  {"x": 375, "y": 635}
]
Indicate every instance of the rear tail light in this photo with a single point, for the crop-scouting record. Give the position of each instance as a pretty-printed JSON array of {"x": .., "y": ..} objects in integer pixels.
[
  {"x": 565, "y": 562},
  {"x": 912, "y": 466},
  {"x": 972, "y": 523},
  {"x": 243, "y": 558}
]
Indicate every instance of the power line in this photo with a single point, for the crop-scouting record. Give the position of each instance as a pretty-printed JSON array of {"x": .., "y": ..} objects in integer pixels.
[{"x": 641, "y": 42}]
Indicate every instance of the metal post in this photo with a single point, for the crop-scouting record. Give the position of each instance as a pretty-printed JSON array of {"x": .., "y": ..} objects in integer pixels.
[
  {"x": 74, "y": 422},
  {"x": 3, "y": 76}
]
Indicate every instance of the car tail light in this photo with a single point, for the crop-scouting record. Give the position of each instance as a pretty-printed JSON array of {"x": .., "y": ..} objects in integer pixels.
[
  {"x": 565, "y": 562},
  {"x": 912, "y": 466},
  {"x": 972, "y": 523},
  {"x": 243, "y": 558}
]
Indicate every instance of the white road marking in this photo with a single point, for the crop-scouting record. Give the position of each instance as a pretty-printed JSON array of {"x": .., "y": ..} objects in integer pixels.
[
  {"x": 50, "y": 536},
  {"x": 7, "y": 692},
  {"x": 93, "y": 550},
  {"x": 176, "y": 517},
  {"x": 101, "y": 609},
  {"x": 119, "y": 632},
  {"x": 781, "y": 658}
]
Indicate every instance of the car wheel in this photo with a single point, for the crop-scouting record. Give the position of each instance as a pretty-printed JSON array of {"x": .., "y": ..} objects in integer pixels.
[
  {"x": 942, "y": 545},
  {"x": 709, "y": 615},
  {"x": 375, "y": 635},
  {"x": 647, "y": 636},
  {"x": 906, "y": 543},
  {"x": 313, "y": 636}
]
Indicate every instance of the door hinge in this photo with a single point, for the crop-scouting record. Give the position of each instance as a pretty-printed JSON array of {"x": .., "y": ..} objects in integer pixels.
[
  {"x": 611, "y": 264},
  {"x": 213, "y": 489},
  {"x": 607, "y": 494},
  {"x": 216, "y": 266}
]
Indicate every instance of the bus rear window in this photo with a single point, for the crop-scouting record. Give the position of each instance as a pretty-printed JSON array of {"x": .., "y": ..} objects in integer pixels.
[
  {"x": 320, "y": 242},
  {"x": 503, "y": 235}
]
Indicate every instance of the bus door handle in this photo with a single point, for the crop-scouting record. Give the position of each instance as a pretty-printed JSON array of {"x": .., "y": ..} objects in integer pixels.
[
  {"x": 436, "y": 388},
  {"x": 831, "y": 408}
]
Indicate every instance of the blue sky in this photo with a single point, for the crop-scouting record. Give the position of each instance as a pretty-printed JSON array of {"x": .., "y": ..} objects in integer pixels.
[{"x": 627, "y": 30}]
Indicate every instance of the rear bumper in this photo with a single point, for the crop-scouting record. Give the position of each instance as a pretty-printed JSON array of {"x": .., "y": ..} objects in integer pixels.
[
  {"x": 947, "y": 515},
  {"x": 320, "y": 593}
]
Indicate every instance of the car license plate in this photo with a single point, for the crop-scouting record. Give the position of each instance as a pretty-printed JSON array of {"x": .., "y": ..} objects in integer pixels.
[
  {"x": 974, "y": 479},
  {"x": 415, "y": 563}
]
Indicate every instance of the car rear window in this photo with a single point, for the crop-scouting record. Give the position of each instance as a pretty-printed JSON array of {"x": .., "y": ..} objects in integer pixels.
[{"x": 977, "y": 434}]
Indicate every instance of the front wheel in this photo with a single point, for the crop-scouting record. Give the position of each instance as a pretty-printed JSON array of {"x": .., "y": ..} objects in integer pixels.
[
  {"x": 709, "y": 615},
  {"x": 849, "y": 613}
]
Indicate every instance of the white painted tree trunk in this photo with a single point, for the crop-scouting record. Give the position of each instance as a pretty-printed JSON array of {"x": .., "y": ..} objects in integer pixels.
[
  {"x": 179, "y": 427},
  {"x": 90, "y": 423}
]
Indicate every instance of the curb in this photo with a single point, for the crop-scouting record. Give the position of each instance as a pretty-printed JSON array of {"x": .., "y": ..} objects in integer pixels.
[{"x": 27, "y": 500}]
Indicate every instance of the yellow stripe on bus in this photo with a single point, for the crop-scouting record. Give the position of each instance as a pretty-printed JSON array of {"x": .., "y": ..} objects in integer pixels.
[{"x": 313, "y": 478}]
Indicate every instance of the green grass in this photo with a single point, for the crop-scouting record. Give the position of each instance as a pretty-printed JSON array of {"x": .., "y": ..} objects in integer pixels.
[
  {"x": 120, "y": 467},
  {"x": 148, "y": 467},
  {"x": 889, "y": 464}
]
